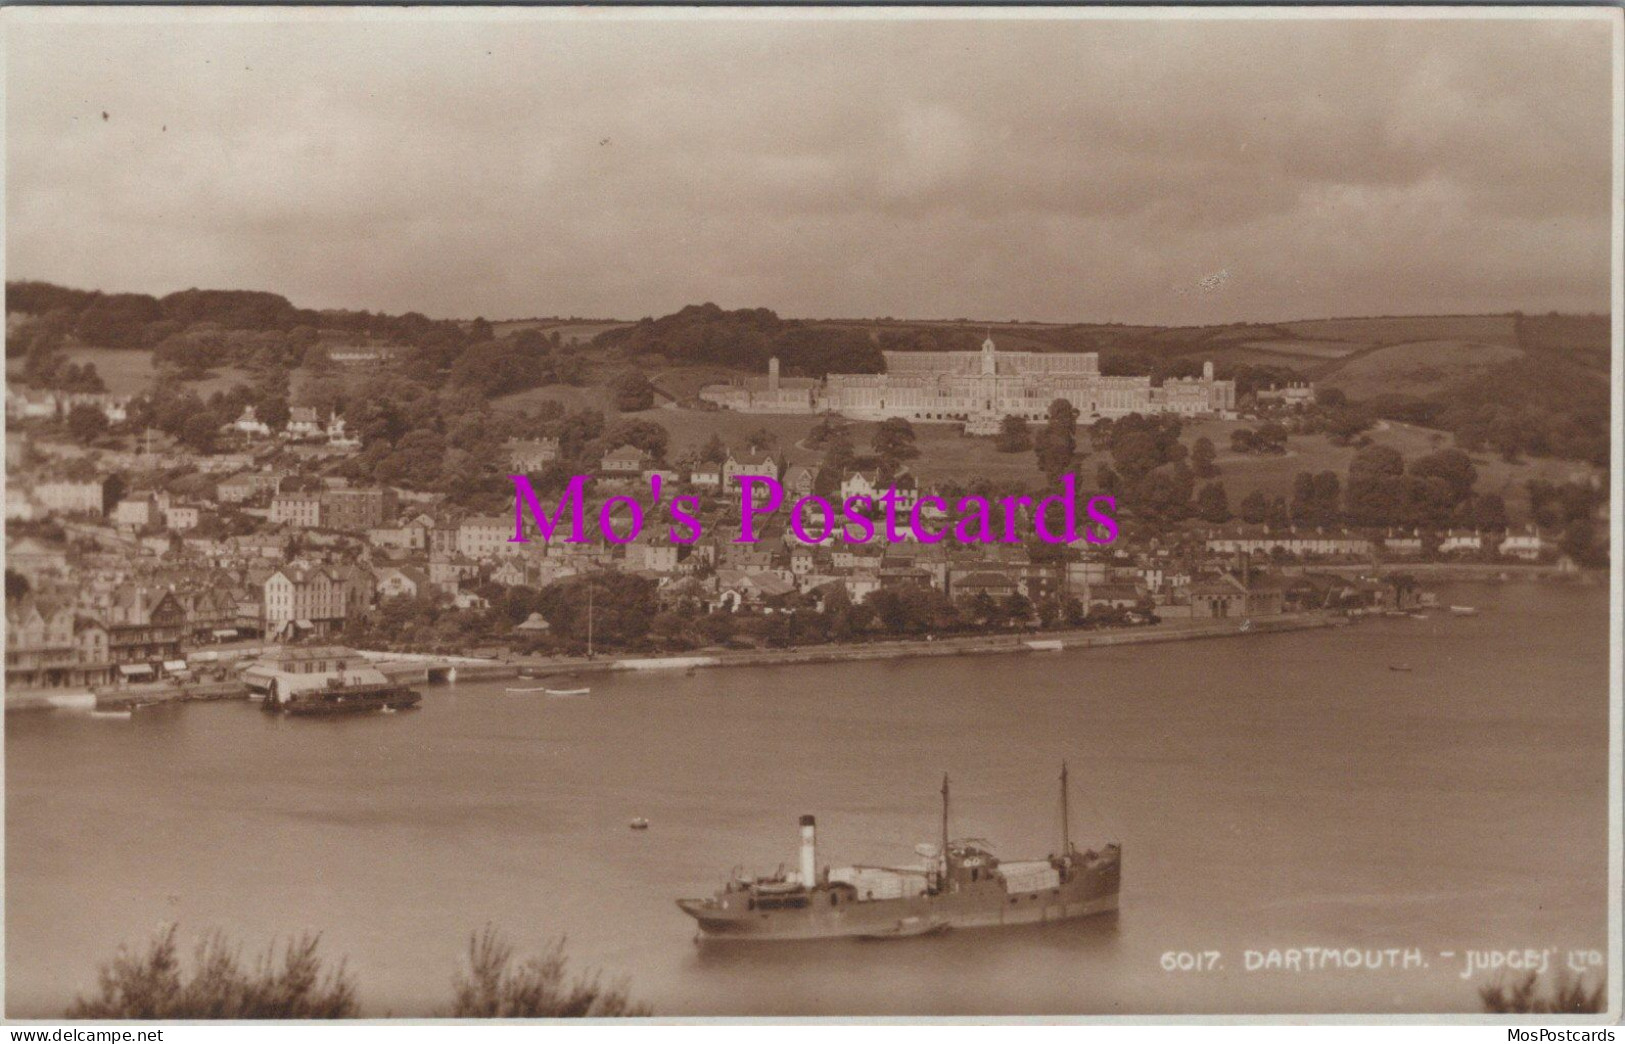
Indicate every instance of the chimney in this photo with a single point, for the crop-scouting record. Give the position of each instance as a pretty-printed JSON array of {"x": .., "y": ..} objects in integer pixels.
[{"x": 809, "y": 852}]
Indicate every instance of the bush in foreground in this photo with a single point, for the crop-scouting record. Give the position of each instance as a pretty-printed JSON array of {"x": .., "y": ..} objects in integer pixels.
[
  {"x": 1519, "y": 997},
  {"x": 493, "y": 986},
  {"x": 153, "y": 985}
]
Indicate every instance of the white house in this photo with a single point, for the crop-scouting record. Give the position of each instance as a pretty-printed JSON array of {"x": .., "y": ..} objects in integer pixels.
[{"x": 1527, "y": 545}]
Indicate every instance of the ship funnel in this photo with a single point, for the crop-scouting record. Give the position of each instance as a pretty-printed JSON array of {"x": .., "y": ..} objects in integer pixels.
[{"x": 809, "y": 852}]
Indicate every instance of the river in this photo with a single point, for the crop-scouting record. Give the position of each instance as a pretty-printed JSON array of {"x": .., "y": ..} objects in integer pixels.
[{"x": 1279, "y": 791}]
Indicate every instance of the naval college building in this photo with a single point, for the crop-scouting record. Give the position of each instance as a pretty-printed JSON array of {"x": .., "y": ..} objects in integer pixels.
[{"x": 978, "y": 389}]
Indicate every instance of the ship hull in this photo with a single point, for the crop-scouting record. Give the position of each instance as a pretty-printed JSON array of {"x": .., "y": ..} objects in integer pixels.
[
  {"x": 332, "y": 704},
  {"x": 988, "y": 906}
]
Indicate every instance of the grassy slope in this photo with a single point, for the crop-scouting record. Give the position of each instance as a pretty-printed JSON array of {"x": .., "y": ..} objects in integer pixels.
[{"x": 131, "y": 372}]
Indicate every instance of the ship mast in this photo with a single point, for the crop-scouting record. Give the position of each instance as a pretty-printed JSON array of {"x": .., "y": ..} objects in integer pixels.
[
  {"x": 589, "y": 620},
  {"x": 945, "y": 831},
  {"x": 1066, "y": 820}
]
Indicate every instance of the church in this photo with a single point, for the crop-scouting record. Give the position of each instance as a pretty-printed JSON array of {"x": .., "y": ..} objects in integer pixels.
[{"x": 977, "y": 389}]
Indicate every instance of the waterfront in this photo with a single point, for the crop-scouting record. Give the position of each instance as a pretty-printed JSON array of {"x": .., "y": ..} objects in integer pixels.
[{"x": 1275, "y": 792}]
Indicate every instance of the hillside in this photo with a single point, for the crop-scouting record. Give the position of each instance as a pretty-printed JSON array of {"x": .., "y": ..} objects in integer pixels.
[{"x": 1509, "y": 383}]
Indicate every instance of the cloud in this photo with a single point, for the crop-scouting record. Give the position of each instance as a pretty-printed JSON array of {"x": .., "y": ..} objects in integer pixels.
[{"x": 1032, "y": 168}]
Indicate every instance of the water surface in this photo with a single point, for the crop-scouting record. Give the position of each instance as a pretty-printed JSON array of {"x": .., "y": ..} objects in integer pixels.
[{"x": 1274, "y": 791}]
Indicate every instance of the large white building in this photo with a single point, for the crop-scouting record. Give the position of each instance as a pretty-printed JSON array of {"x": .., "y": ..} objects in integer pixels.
[{"x": 978, "y": 389}]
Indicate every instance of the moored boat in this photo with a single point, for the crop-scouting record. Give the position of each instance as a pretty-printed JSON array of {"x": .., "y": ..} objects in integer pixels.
[
  {"x": 962, "y": 884},
  {"x": 314, "y": 681},
  {"x": 343, "y": 698},
  {"x": 1464, "y": 610}
]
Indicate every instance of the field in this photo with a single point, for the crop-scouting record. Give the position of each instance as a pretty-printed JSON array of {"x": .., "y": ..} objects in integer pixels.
[
  {"x": 1487, "y": 329},
  {"x": 1274, "y": 474},
  {"x": 570, "y": 331},
  {"x": 1416, "y": 368},
  {"x": 1582, "y": 338},
  {"x": 594, "y": 396},
  {"x": 124, "y": 372},
  {"x": 130, "y": 372},
  {"x": 1318, "y": 350}
]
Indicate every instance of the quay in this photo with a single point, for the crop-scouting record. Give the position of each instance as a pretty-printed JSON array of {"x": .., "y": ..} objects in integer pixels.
[{"x": 430, "y": 669}]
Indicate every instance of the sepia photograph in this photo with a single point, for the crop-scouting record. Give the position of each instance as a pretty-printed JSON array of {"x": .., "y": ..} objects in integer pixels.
[{"x": 912, "y": 513}]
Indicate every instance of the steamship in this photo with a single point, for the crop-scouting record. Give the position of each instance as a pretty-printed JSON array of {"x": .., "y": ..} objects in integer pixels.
[{"x": 961, "y": 884}]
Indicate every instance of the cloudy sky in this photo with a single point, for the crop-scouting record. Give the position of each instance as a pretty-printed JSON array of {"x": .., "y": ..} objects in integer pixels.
[{"x": 1139, "y": 171}]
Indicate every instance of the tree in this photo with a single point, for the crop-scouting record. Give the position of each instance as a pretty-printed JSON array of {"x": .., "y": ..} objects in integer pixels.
[
  {"x": 633, "y": 392},
  {"x": 829, "y": 426},
  {"x": 1488, "y": 513},
  {"x": 1212, "y": 504},
  {"x": 893, "y": 441},
  {"x": 1165, "y": 493},
  {"x": 763, "y": 440},
  {"x": 646, "y": 435},
  {"x": 1013, "y": 435},
  {"x": 1243, "y": 440},
  {"x": 1315, "y": 498},
  {"x": 1270, "y": 438},
  {"x": 86, "y": 423},
  {"x": 1451, "y": 466},
  {"x": 1056, "y": 445},
  {"x": 199, "y": 431},
  {"x": 1254, "y": 507},
  {"x": 838, "y": 456},
  {"x": 1374, "y": 461},
  {"x": 715, "y": 451},
  {"x": 1135, "y": 453},
  {"x": 1202, "y": 458}
]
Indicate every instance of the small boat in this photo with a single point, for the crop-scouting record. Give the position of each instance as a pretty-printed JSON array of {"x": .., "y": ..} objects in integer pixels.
[
  {"x": 1402, "y": 667},
  {"x": 1419, "y": 616},
  {"x": 639, "y": 823},
  {"x": 110, "y": 715},
  {"x": 1464, "y": 610},
  {"x": 568, "y": 692},
  {"x": 538, "y": 688},
  {"x": 386, "y": 709}
]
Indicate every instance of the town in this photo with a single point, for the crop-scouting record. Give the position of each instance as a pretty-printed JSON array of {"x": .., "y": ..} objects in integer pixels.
[{"x": 139, "y": 546}]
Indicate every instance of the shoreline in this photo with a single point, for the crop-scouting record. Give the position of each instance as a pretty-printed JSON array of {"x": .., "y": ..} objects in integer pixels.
[
  {"x": 1036, "y": 642},
  {"x": 415, "y": 668}
]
